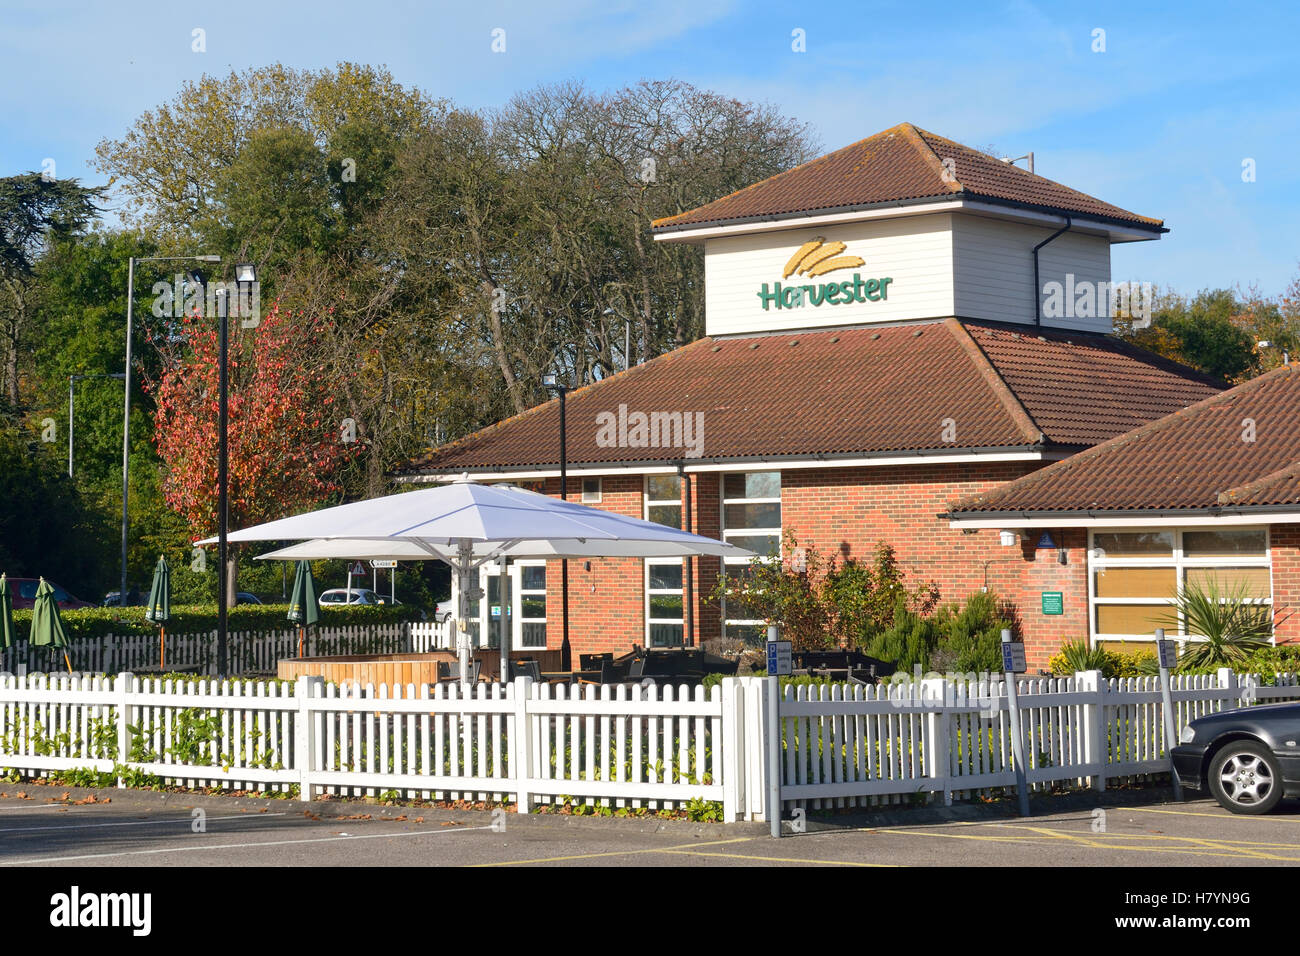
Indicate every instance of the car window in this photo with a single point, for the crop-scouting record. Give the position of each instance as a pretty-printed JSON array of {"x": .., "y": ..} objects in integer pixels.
[
  {"x": 60, "y": 594},
  {"x": 27, "y": 589}
]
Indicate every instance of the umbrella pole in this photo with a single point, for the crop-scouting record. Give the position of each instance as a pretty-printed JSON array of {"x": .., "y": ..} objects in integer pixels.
[
  {"x": 162, "y": 648},
  {"x": 302, "y": 634},
  {"x": 68, "y": 662}
]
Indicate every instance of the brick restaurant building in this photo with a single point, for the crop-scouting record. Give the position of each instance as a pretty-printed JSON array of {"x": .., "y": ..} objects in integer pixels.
[{"x": 899, "y": 326}]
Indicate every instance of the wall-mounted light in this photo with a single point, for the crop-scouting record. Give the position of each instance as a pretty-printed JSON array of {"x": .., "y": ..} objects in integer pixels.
[{"x": 1007, "y": 538}]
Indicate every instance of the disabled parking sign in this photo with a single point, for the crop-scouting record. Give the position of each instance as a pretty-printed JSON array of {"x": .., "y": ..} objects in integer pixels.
[{"x": 778, "y": 658}]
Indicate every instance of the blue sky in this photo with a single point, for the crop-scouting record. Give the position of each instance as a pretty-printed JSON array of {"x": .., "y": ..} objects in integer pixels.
[{"x": 1160, "y": 122}]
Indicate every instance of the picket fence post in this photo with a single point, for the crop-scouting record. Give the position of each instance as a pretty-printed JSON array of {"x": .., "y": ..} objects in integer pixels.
[
  {"x": 304, "y": 732},
  {"x": 123, "y": 688},
  {"x": 519, "y": 746},
  {"x": 733, "y": 749},
  {"x": 1096, "y": 748},
  {"x": 937, "y": 742}
]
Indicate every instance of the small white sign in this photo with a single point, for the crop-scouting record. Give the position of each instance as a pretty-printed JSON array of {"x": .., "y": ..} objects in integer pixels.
[
  {"x": 1013, "y": 657},
  {"x": 378, "y": 563},
  {"x": 1168, "y": 651},
  {"x": 778, "y": 658}
]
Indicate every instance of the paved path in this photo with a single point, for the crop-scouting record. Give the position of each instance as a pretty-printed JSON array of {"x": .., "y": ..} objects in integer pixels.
[{"x": 148, "y": 829}]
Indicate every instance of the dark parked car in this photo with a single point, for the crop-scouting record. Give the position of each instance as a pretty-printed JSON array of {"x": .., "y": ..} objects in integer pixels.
[
  {"x": 247, "y": 597},
  {"x": 1249, "y": 759},
  {"x": 24, "y": 594},
  {"x": 133, "y": 599}
]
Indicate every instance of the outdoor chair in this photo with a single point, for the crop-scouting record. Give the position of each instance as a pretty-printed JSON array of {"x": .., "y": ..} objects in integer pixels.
[{"x": 526, "y": 668}]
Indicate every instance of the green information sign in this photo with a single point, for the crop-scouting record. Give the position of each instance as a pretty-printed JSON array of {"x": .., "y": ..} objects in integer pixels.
[{"x": 1053, "y": 602}]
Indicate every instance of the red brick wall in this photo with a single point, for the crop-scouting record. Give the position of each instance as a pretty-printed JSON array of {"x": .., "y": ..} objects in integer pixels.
[
  {"x": 1284, "y": 541},
  {"x": 846, "y": 511}
]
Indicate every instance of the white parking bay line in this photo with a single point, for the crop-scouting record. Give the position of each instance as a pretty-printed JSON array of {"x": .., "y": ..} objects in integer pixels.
[
  {"x": 234, "y": 846},
  {"x": 136, "y": 823}
]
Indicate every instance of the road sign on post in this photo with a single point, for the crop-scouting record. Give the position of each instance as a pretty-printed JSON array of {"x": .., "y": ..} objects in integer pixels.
[
  {"x": 1168, "y": 657},
  {"x": 779, "y": 657},
  {"x": 1013, "y": 660},
  {"x": 773, "y": 683},
  {"x": 379, "y": 563}
]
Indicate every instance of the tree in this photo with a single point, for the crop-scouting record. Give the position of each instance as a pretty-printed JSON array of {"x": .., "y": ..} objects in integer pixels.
[
  {"x": 34, "y": 211},
  {"x": 286, "y": 440}
]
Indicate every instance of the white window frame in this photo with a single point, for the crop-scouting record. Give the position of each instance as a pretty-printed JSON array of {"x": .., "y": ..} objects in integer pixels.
[
  {"x": 1178, "y": 561},
  {"x": 647, "y": 563},
  {"x": 595, "y": 497},
  {"x": 486, "y": 624},
  {"x": 727, "y": 534}
]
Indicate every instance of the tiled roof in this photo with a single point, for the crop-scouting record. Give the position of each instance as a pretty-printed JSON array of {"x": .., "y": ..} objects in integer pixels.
[
  {"x": 899, "y": 165},
  {"x": 1238, "y": 449},
  {"x": 860, "y": 391}
]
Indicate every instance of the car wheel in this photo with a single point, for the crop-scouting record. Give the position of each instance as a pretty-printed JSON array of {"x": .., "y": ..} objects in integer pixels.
[{"x": 1246, "y": 778}]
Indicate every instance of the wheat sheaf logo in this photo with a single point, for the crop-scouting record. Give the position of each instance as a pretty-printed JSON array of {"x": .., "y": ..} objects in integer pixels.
[{"x": 816, "y": 257}]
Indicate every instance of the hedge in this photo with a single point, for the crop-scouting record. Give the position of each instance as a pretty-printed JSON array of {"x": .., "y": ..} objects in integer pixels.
[{"x": 188, "y": 618}]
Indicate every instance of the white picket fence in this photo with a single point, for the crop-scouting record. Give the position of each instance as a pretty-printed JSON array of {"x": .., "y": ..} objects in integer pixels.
[
  {"x": 250, "y": 652},
  {"x": 867, "y": 745},
  {"x": 627, "y": 746},
  {"x": 523, "y": 743},
  {"x": 432, "y": 636}
]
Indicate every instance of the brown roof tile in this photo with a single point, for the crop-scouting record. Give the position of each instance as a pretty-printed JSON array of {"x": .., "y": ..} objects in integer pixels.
[
  {"x": 1202, "y": 457},
  {"x": 859, "y": 391},
  {"x": 898, "y": 165}
]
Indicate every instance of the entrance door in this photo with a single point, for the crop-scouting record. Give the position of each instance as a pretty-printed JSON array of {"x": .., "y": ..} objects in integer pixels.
[{"x": 524, "y": 606}]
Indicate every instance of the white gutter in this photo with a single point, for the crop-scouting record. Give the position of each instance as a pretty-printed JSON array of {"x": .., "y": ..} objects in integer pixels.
[
  {"x": 1115, "y": 232},
  {"x": 748, "y": 464},
  {"x": 1009, "y": 522}
]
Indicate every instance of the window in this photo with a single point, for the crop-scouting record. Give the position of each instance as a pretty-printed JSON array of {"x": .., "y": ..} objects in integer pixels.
[
  {"x": 1134, "y": 575},
  {"x": 525, "y": 605},
  {"x": 532, "y": 604},
  {"x": 664, "y": 604},
  {"x": 751, "y": 519},
  {"x": 591, "y": 491}
]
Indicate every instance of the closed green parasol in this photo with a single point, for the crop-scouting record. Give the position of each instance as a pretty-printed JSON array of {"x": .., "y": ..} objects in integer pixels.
[
  {"x": 160, "y": 605},
  {"x": 304, "y": 610},
  {"x": 6, "y": 614},
  {"x": 47, "y": 626}
]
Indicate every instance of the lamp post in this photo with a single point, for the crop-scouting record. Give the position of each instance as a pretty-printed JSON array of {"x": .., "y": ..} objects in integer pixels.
[
  {"x": 552, "y": 382},
  {"x": 126, "y": 404},
  {"x": 244, "y": 272},
  {"x": 71, "y": 386}
]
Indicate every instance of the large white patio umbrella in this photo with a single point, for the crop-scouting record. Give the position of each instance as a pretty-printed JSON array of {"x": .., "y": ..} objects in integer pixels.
[{"x": 467, "y": 525}]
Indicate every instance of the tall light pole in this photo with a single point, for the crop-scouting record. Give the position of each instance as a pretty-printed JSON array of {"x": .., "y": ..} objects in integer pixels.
[
  {"x": 126, "y": 414},
  {"x": 552, "y": 381},
  {"x": 71, "y": 386}
]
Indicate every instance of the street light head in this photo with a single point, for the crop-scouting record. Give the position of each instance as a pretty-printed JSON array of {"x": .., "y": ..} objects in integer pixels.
[
  {"x": 208, "y": 258},
  {"x": 550, "y": 380},
  {"x": 245, "y": 272}
]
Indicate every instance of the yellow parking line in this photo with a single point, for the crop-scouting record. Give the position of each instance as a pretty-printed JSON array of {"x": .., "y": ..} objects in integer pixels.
[
  {"x": 1230, "y": 851},
  {"x": 594, "y": 856},
  {"x": 1223, "y": 815},
  {"x": 783, "y": 859}
]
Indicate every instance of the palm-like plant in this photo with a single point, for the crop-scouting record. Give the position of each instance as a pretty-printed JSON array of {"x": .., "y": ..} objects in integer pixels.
[{"x": 1231, "y": 623}]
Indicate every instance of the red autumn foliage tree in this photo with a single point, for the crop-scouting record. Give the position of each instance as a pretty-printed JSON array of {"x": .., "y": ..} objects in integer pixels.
[{"x": 284, "y": 433}]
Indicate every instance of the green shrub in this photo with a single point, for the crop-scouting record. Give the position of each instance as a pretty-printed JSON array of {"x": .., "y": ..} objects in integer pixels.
[
  {"x": 98, "y": 621},
  {"x": 1078, "y": 656},
  {"x": 909, "y": 642},
  {"x": 972, "y": 634},
  {"x": 1231, "y": 626}
]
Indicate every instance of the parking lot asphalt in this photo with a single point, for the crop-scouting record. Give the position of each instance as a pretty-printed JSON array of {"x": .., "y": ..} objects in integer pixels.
[{"x": 50, "y": 827}]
